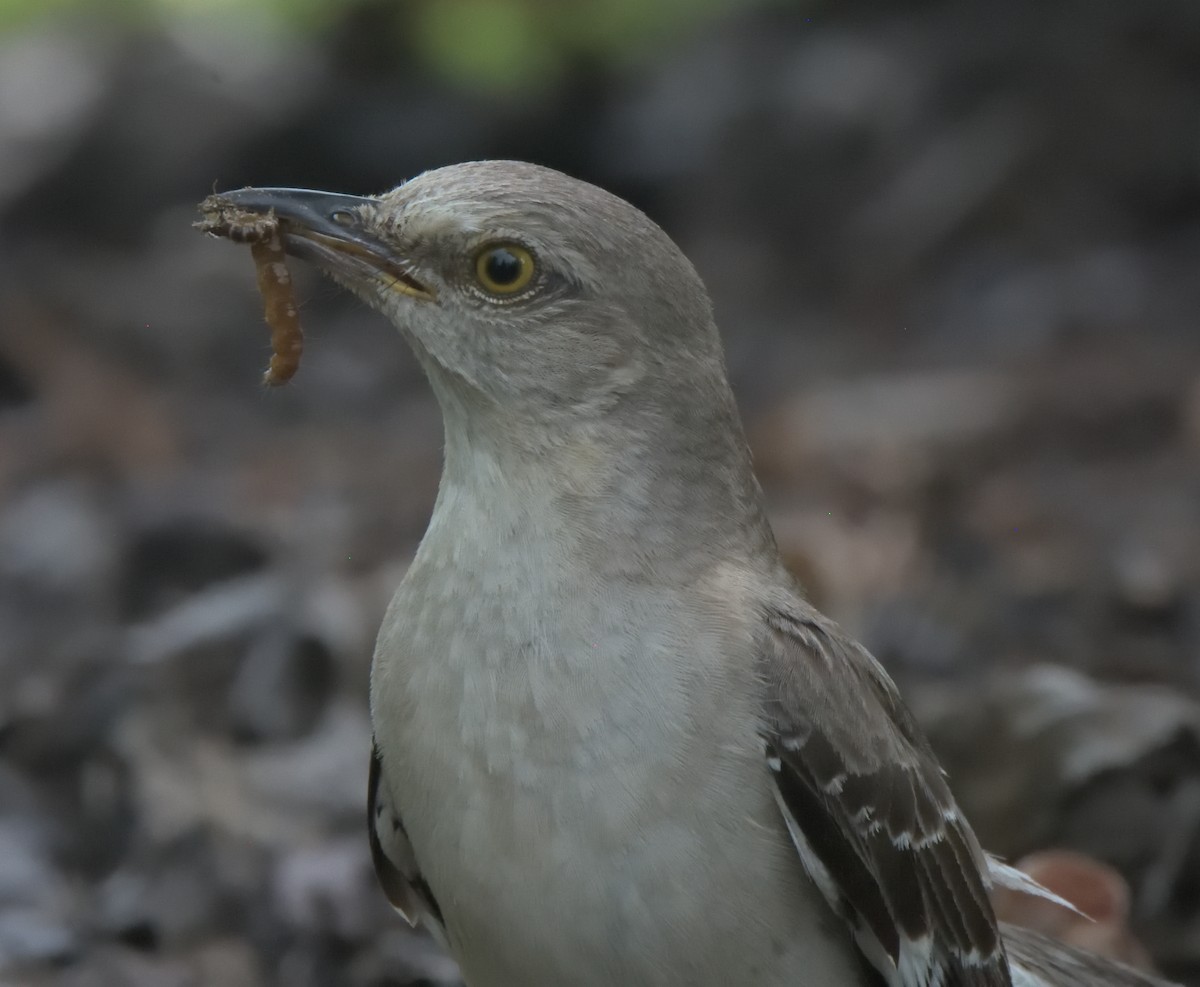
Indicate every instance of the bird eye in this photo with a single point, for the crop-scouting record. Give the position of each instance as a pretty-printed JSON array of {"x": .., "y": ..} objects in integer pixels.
[{"x": 504, "y": 269}]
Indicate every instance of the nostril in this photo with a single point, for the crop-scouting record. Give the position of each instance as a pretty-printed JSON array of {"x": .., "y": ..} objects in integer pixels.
[{"x": 343, "y": 217}]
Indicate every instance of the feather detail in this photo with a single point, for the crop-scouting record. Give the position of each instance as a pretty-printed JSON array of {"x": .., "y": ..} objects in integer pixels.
[
  {"x": 1041, "y": 962},
  {"x": 1002, "y": 875},
  {"x": 870, "y": 814},
  {"x": 393, "y": 857}
]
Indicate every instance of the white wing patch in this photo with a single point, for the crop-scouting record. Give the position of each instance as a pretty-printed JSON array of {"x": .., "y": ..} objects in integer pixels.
[{"x": 1002, "y": 875}]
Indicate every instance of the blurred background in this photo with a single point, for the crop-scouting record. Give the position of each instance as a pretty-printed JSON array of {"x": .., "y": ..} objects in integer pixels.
[{"x": 955, "y": 251}]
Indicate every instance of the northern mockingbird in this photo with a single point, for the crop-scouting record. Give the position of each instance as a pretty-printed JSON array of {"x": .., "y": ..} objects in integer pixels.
[{"x": 614, "y": 744}]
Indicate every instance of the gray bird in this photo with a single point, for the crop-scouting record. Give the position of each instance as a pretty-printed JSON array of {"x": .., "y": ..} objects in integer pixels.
[{"x": 614, "y": 743}]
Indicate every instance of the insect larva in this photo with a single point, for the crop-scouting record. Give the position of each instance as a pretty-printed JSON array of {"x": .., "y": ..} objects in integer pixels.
[
  {"x": 261, "y": 232},
  {"x": 275, "y": 286}
]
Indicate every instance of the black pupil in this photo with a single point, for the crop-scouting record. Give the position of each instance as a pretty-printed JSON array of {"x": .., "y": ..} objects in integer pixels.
[{"x": 503, "y": 266}]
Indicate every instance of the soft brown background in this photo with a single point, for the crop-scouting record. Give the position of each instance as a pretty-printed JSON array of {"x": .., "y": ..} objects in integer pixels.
[{"x": 954, "y": 246}]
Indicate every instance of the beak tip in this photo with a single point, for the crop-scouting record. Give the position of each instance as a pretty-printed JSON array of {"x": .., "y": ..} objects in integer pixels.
[
  {"x": 228, "y": 215},
  {"x": 308, "y": 221},
  {"x": 304, "y": 208}
]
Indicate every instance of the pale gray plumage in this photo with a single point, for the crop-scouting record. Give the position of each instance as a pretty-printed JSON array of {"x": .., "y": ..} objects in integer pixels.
[{"x": 614, "y": 743}]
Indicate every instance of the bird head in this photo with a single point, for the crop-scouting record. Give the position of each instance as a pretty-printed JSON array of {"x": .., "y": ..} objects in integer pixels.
[{"x": 526, "y": 294}]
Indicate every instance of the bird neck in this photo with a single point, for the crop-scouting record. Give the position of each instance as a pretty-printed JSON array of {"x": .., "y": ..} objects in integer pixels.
[{"x": 654, "y": 484}]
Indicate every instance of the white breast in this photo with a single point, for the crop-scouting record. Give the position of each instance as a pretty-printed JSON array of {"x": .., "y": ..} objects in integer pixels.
[{"x": 580, "y": 775}]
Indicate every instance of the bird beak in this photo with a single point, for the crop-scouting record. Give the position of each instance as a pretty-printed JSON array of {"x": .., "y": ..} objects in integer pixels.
[{"x": 326, "y": 228}]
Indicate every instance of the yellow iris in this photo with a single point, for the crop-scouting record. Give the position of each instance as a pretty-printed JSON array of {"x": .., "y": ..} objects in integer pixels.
[{"x": 504, "y": 268}]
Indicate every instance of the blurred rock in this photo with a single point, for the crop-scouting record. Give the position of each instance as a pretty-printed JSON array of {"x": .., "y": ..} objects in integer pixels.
[
  {"x": 323, "y": 775},
  {"x": 39, "y": 912},
  {"x": 167, "y": 562},
  {"x": 35, "y": 936},
  {"x": 166, "y": 897},
  {"x": 281, "y": 688},
  {"x": 119, "y": 966},
  {"x": 16, "y": 390},
  {"x": 1049, "y": 757},
  {"x": 202, "y": 642},
  {"x": 885, "y": 431},
  {"x": 59, "y": 538},
  {"x": 59, "y": 550},
  {"x": 50, "y": 85},
  {"x": 328, "y": 889},
  {"x": 229, "y": 962},
  {"x": 269, "y": 794},
  {"x": 848, "y": 562},
  {"x": 1191, "y": 414},
  {"x": 404, "y": 957},
  {"x": 1146, "y": 582},
  {"x": 914, "y": 638},
  {"x": 940, "y": 189}
]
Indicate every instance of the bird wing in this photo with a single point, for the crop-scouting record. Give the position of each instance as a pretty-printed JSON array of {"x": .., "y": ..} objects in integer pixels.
[
  {"x": 870, "y": 814},
  {"x": 1042, "y": 962},
  {"x": 392, "y": 854}
]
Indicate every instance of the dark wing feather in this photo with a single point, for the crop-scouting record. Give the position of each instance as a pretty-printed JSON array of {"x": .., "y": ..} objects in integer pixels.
[
  {"x": 870, "y": 812},
  {"x": 1056, "y": 965},
  {"x": 392, "y": 854}
]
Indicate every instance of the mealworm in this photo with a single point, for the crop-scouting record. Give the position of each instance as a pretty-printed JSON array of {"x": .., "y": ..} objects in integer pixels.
[
  {"x": 275, "y": 286},
  {"x": 261, "y": 232}
]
